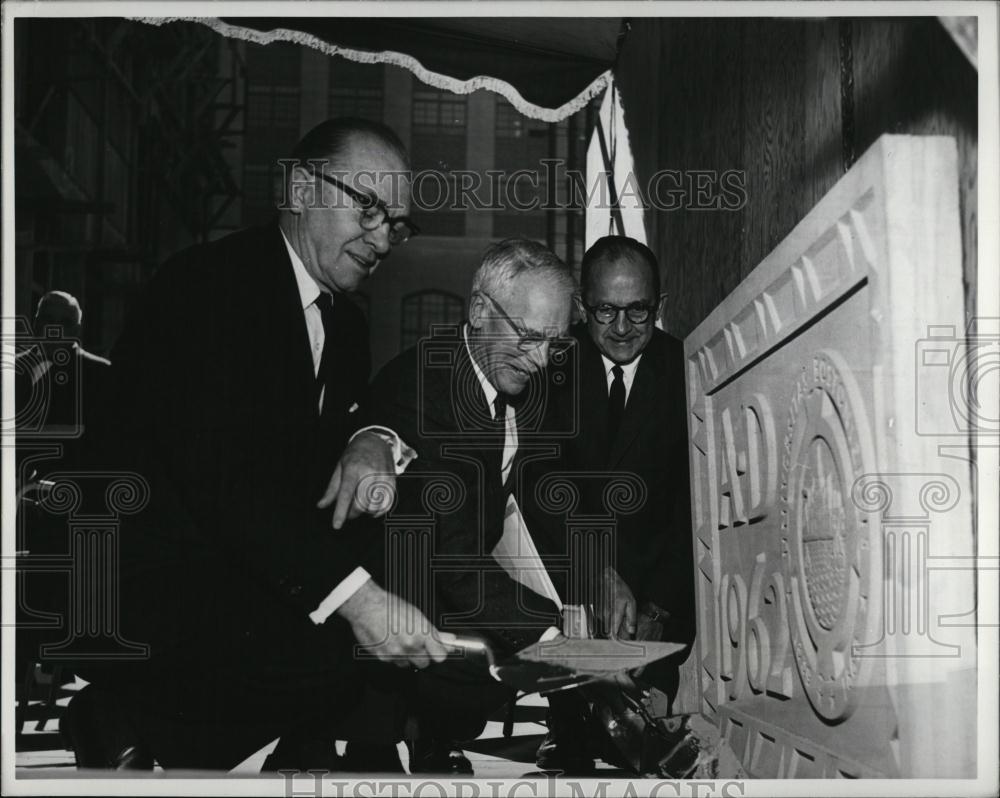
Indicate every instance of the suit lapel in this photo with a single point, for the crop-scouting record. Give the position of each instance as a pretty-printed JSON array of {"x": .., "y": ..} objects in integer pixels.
[
  {"x": 592, "y": 399},
  {"x": 639, "y": 409},
  {"x": 286, "y": 329},
  {"x": 450, "y": 396},
  {"x": 265, "y": 310},
  {"x": 343, "y": 359},
  {"x": 472, "y": 414}
]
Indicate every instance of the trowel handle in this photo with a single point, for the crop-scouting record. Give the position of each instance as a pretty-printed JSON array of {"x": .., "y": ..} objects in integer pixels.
[{"x": 471, "y": 648}]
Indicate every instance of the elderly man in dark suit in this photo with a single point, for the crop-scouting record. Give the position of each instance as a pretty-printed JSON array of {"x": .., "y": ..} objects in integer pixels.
[
  {"x": 629, "y": 399},
  {"x": 470, "y": 400},
  {"x": 238, "y": 384}
]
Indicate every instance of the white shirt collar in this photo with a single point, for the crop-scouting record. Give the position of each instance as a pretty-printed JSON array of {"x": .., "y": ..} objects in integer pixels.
[
  {"x": 309, "y": 289},
  {"x": 488, "y": 390},
  {"x": 628, "y": 369}
]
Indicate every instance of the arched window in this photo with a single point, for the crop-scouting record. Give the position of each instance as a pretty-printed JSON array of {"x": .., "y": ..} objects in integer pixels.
[{"x": 424, "y": 308}]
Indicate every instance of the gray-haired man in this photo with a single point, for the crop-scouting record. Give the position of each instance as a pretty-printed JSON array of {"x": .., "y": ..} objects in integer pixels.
[{"x": 463, "y": 399}]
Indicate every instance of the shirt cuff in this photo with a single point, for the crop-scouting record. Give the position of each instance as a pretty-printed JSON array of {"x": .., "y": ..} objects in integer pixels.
[
  {"x": 402, "y": 455},
  {"x": 341, "y": 593}
]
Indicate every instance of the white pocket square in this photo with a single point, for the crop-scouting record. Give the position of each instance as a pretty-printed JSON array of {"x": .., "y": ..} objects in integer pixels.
[{"x": 352, "y": 408}]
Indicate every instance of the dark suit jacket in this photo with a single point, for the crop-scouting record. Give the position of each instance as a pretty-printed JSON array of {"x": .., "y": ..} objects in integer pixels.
[
  {"x": 214, "y": 406},
  {"x": 64, "y": 395},
  {"x": 56, "y": 408},
  {"x": 653, "y": 548},
  {"x": 430, "y": 396}
]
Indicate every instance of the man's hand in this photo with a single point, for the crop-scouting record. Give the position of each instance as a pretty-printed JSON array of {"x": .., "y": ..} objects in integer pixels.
[
  {"x": 393, "y": 629},
  {"x": 650, "y": 624},
  {"x": 616, "y": 611},
  {"x": 364, "y": 480}
]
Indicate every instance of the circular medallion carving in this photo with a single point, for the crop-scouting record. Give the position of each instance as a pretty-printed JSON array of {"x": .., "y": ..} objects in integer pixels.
[
  {"x": 822, "y": 530},
  {"x": 828, "y": 552}
]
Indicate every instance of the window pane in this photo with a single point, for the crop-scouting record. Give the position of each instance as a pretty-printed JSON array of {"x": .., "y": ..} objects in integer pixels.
[
  {"x": 275, "y": 64},
  {"x": 347, "y": 74},
  {"x": 356, "y": 89},
  {"x": 427, "y": 308},
  {"x": 258, "y": 107},
  {"x": 438, "y": 114},
  {"x": 364, "y": 103},
  {"x": 286, "y": 107}
]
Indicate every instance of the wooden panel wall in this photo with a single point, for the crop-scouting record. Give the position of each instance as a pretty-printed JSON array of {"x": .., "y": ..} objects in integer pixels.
[{"x": 790, "y": 103}]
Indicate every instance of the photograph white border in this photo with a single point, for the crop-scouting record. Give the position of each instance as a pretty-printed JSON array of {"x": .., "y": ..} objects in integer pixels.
[{"x": 988, "y": 296}]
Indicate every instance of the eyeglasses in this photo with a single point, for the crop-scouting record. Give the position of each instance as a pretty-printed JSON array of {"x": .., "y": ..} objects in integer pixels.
[
  {"x": 637, "y": 312},
  {"x": 374, "y": 213},
  {"x": 528, "y": 341}
]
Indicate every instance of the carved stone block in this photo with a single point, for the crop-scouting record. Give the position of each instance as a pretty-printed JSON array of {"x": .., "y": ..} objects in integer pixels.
[{"x": 833, "y": 535}]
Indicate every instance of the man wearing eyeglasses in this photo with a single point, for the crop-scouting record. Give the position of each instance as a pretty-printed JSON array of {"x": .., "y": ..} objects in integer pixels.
[
  {"x": 468, "y": 399},
  {"x": 240, "y": 385},
  {"x": 632, "y": 419}
]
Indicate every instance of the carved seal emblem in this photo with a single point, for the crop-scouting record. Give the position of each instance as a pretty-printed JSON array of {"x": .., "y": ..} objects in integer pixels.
[{"x": 828, "y": 556}]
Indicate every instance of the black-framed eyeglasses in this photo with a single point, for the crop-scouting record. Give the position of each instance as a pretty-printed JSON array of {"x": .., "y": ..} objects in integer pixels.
[
  {"x": 605, "y": 313},
  {"x": 374, "y": 213},
  {"x": 528, "y": 341}
]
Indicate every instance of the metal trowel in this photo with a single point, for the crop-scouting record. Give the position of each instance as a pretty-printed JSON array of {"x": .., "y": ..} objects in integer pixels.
[{"x": 564, "y": 662}]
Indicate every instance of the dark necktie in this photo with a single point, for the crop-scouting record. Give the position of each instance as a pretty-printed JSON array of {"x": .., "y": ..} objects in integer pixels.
[
  {"x": 325, "y": 304},
  {"x": 616, "y": 403},
  {"x": 500, "y": 422},
  {"x": 500, "y": 409}
]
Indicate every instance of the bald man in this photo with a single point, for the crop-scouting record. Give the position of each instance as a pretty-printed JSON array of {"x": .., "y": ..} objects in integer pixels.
[{"x": 632, "y": 420}]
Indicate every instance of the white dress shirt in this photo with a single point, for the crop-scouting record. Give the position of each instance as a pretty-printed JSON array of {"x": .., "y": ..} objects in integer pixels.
[
  {"x": 510, "y": 419},
  {"x": 628, "y": 373},
  {"x": 309, "y": 292}
]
